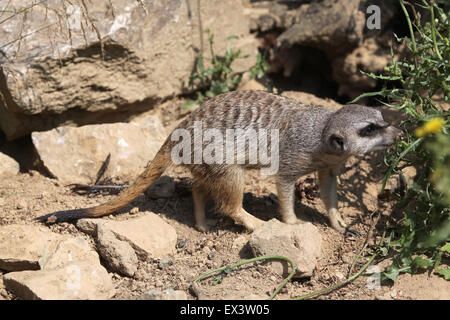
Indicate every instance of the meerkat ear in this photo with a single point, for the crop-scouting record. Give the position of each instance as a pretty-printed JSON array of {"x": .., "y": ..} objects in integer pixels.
[{"x": 337, "y": 143}]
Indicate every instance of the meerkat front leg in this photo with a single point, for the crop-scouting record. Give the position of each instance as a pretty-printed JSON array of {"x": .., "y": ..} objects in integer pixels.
[
  {"x": 200, "y": 197},
  {"x": 328, "y": 194},
  {"x": 286, "y": 197}
]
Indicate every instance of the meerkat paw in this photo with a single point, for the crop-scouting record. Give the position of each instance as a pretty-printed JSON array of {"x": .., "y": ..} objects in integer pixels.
[
  {"x": 250, "y": 222},
  {"x": 202, "y": 227},
  {"x": 292, "y": 220},
  {"x": 338, "y": 224},
  {"x": 352, "y": 233},
  {"x": 252, "y": 225}
]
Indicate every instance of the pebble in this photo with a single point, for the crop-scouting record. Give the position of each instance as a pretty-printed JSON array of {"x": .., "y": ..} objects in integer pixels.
[
  {"x": 394, "y": 293},
  {"x": 340, "y": 276},
  {"x": 164, "y": 262},
  {"x": 21, "y": 205},
  {"x": 168, "y": 294},
  {"x": 181, "y": 244}
]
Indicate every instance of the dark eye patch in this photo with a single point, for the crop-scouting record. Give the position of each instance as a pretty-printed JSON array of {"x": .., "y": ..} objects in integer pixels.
[{"x": 370, "y": 130}]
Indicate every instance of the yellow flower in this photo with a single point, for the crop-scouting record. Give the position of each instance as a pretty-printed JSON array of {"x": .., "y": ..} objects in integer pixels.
[{"x": 431, "y": 126}]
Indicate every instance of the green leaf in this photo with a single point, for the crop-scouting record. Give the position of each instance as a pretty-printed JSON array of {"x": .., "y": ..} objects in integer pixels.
[
  {"x": 391, "y": 273},
  {"x": 189, "y": 105},
  {"x": 420, "y": 262},
  {"x": 369, "y": 94},
  {"x": 446, "y": 247},
  {"x": 232, "y": 37},
  {"x": 444, "y": 272}
]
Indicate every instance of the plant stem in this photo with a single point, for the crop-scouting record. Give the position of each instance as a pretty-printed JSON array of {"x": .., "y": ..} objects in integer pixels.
[
  {"x": 336, "y": 286},
  {"x": 240, "y": 263},
  {"x": 388, "y": 173},
  {"x": 410, "y": 31},
  {"x": 433, "y": 32}
]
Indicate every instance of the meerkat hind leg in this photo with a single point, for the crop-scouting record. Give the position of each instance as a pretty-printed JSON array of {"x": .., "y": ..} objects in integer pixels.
[{"x": 228, "y": 191}]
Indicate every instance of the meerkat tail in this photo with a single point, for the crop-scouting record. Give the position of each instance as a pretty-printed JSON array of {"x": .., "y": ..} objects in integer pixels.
[{"x": 153, "y": 171}]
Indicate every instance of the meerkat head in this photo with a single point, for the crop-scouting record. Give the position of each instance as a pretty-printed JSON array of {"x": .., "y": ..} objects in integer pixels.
[{"x": 356, "y": 129}]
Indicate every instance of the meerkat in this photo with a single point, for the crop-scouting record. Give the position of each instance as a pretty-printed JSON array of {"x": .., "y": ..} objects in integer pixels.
[{"x": 310, "y": 139}]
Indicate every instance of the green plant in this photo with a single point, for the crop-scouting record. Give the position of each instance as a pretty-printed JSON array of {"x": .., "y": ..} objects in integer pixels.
[
  {"x": 219, "y": 77},
  {"x": 226, "y": 270},
  {"x": 421, "y": 239}
]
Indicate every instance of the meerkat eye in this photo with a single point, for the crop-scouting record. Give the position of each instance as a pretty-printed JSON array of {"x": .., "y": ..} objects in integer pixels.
[{"x": 369, "y": 130}]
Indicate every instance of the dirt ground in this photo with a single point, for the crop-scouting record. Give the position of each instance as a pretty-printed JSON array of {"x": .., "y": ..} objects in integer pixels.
[{"x": 28, "y": 195}]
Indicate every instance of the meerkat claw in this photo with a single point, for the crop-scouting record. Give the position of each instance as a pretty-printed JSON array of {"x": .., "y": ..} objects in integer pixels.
[{"x": 352, "y": 233}]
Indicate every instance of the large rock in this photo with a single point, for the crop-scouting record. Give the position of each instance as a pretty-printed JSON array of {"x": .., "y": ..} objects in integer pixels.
[
  {"x": 62, "y": 73},
  {"x": 329, "y": 25},
  {"x": 299, "y": 242},
  {"x": 148, "y": 234},
  {"x": 62, "y": 267},
  {"x": 70, "y": 250},
  {"x": 340, "y": 29},
  {"x": 8, "y": 165},
  {"x": 333, "y": 26},
  {"x": 84, "y": 149},
  {"x": 80, "y": 280},
  {"x": 24, "y": 247}
]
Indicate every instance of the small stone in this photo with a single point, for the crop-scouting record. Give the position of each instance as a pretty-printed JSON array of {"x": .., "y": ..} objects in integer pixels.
[
  {"x": 168, "y": 294},
  {"x": 134, "y": 210},
  {"x": 240, "y": 241},
  {"x": 164, "y": 262},
  {"x": 211, "y": 256},
  {"x": 340, "y": 276},
  {"x": 181, "y": 244},
  {"x": 118, "y": 255},
  {"x": 21, "y": 205},
  {"x": 394, "y": 293}
]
